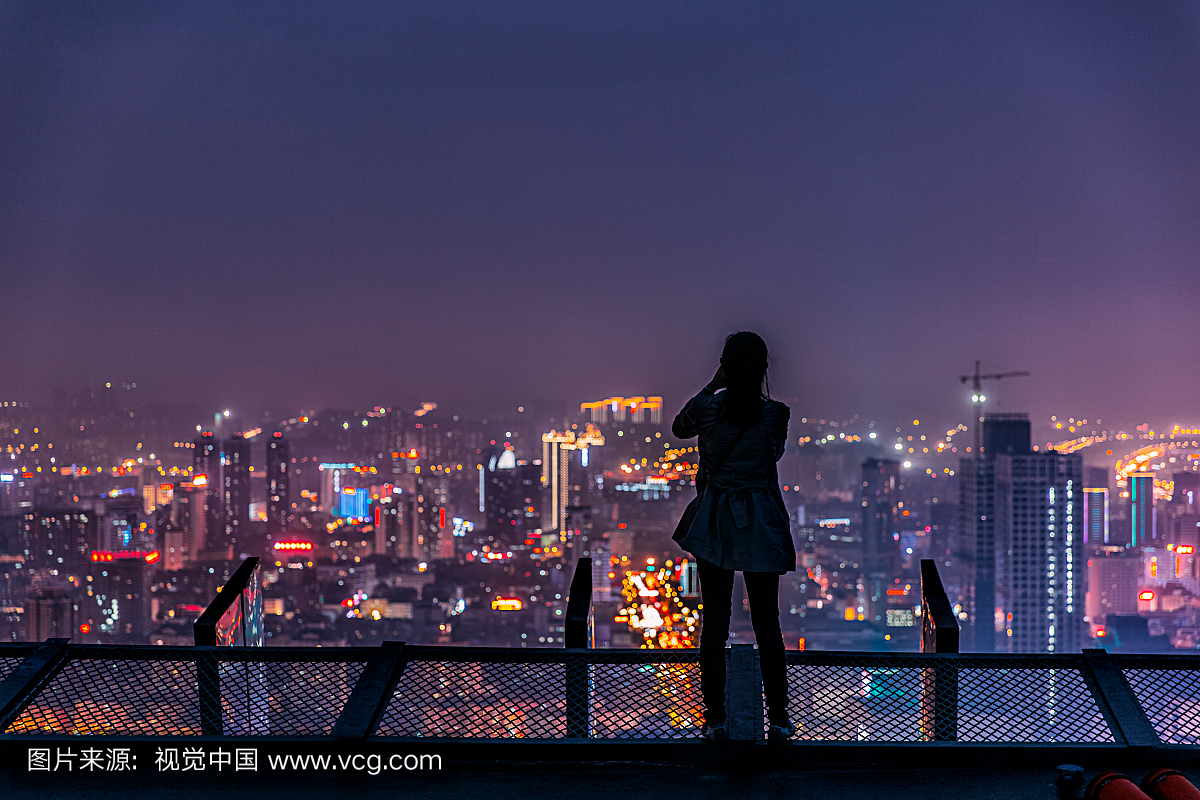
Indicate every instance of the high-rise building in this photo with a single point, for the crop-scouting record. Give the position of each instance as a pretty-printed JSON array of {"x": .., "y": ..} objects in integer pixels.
[
  {"x": 120, "y": 600},
  {"x": 1186, "y": 491},
  {"x": 512, "y": 501},
  {"x": 1142, "y": 512},
  {"x": 207, "y": 478},
  {"x": 1005, "y": 434},
  {"x": 880, "y": 496},
  {"x": 1095, "y": 514},
  {"x": 279, "y": 504},
  {"x": 173, "y": 549},
  {"x": 1002, "y": 433},
  {"x": 51, "y": 612},
  {"x": 1040, "y": 554},
  {"x": 558, "y": 449},
  {"x": 192, "y": 515},
  {"x": 1112, "y": 587},
  {"x": 235, "y": 462},
  {"x": 635, "y": 409}
]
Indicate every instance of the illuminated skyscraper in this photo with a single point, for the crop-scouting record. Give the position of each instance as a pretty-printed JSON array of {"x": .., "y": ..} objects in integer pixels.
[
  {"x": 635, "y": 409},
  {"x": 557, "y": 457},
  {"x": 1007, "y": 434},
  {"x": 1142, "y": 513},
  {"x": 1095, "y": 511},
  {"x": 235, "y": 462},
  {"x": 1039, "y": 532},
  {"x": 279, "y": 504}
]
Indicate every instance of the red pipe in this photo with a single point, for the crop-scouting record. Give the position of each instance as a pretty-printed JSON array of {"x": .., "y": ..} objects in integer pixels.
[
  {"x": 1169, "y": 784},
  {"x": 1113, "y": 786}
]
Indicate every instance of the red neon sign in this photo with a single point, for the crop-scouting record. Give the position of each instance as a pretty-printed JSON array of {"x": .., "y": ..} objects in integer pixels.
[
  {"x": 378, "y": 516},
  {"x": 1146, "y": 595},
  {"x": 1185, "y": 549},
  {"x": 85, "y": 628},
  {"x": 109, "y": 555},
  {"x": 292, "y": 546}
]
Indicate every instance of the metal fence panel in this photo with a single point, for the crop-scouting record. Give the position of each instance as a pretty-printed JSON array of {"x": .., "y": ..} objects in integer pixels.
[
  {"x": 1168, "y": 690},
  {"x": 656, "y": 696},
  {"x": 880, "y": 698},
  {"x": 447, "y": 692},
  {"x": 294, "y": 692},
  {"x": 99, "y": 693}
]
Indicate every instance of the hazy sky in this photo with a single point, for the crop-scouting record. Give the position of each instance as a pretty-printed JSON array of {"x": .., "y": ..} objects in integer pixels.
[{"x": 483, "y": 203}]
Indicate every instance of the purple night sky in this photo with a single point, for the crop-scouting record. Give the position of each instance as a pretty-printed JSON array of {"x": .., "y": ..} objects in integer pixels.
[{"x": 486, "y": 204}]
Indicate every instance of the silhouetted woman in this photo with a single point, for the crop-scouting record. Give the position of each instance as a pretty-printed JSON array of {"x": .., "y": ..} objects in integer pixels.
[{"x": 740, "y": 523}]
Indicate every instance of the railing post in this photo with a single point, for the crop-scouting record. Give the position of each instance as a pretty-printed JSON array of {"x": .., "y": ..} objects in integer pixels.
[
  {"x": 1117, "y": 701},
  {"x": 745, "y": 711},
  {"x": 369, "y": 700},
  {"x": 577, "y": 636},
  {"x": 205, "y": 628},
  {"x": 21, "y": 687},
  {"x": 939, "y": 634}
]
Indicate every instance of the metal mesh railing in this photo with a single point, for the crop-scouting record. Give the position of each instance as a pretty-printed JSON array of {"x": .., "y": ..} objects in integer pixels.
[
  {"x": 163, "y": 691},
  {"x": 891, "y": 698},
  {"x": 651, "y": 694},
  {"x": 497, "y": 693},
  {"x": 458, "y": 693},
  {"x": 116, "y": 691},
  {"x": 286, "y": 692},
  {"x": 1167, "y": 688},
  {"x": 11, "y": 656},
  {"x": 482, "y": 693}
]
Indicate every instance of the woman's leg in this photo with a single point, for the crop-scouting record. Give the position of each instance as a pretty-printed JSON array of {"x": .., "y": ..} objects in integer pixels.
[
  {"x": 716, "y": 591},
  {"x": 762, "y": 588}
]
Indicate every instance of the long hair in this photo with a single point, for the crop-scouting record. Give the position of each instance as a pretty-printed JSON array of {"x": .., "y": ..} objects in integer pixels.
[{"x": 746, "y": 386}]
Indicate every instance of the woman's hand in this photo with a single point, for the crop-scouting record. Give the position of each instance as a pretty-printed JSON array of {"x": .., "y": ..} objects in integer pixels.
[{"x": 718, "y": 380}]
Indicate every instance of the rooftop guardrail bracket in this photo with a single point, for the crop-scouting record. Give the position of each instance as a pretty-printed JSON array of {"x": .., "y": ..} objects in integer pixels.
[
  {"x": 1119, "y": 705},
  {"x": 372, "y": 693}
]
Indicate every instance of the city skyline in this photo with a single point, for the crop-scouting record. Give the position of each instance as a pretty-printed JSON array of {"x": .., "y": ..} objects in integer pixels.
[{"x": 334, "y": 210}]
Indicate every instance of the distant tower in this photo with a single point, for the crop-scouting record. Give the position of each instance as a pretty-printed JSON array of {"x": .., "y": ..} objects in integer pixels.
[
  {"x": 1007, "y": 434},
  {"x": 1142, "y": 513},
  {"x": 1095, "y": 513},
  {"x": 279, "y": 505},
  {"x": 236, "y": 490},
  {"x": 557, "y": 450},
  {"x": 879, "y": 495},
  {"x": 1040, "y": 579},
  {"x": 207, "y": 512},
  {"x": 1186, "y": 491},
  {"x": 1095, "y": 507}
]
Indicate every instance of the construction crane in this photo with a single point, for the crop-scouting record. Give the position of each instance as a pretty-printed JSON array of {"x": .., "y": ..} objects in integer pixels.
[{"x": 977, "y": 396}]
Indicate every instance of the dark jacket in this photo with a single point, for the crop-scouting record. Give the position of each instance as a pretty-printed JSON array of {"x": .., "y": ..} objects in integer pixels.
[{"x": 741, "y": 523}]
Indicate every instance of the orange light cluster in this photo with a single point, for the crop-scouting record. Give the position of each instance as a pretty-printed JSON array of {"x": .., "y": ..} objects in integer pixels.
[
  {"x": 506, "y": 603},
  {"x": 292, "y": 546},
  {"x": 109, "y": 555}
]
